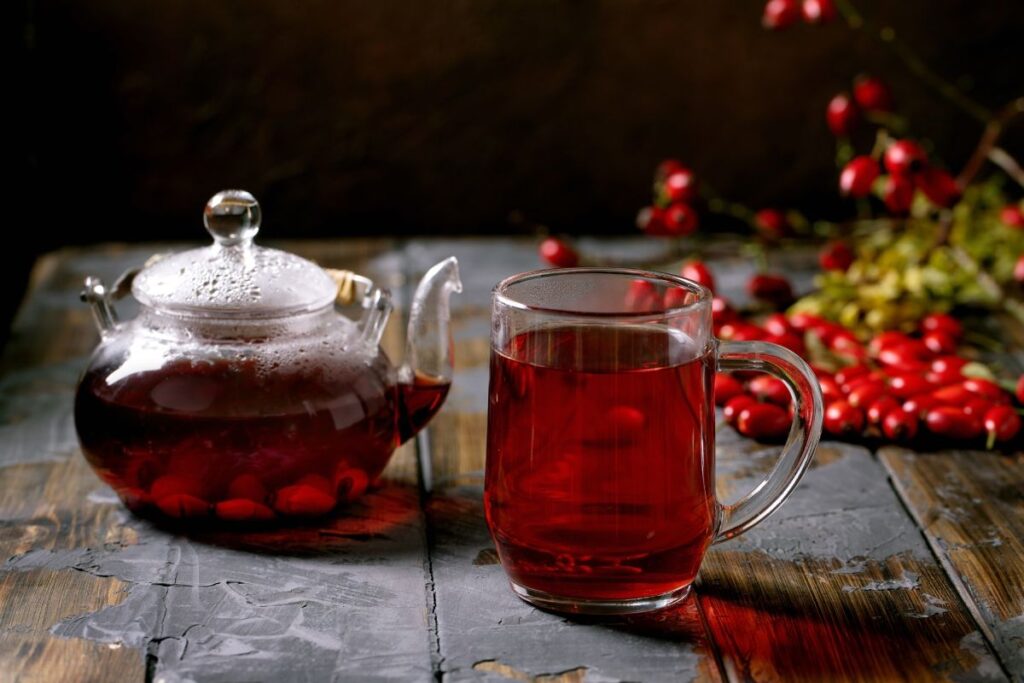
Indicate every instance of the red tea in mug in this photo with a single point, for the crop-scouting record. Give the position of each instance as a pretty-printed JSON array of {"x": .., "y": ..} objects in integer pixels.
[{"x": 600, "y": 460}]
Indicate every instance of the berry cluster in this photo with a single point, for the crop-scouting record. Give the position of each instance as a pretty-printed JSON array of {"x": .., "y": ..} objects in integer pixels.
[
  {"x": 673, "y": 212},
  {"x": 892, "y": 388},
  {"x": 780, "y": 14},
  {"x": 908, "y": 170}
]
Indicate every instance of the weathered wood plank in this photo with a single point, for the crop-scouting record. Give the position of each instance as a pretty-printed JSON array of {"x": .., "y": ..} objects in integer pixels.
[
  {"x": 838, "y": 585},
  {"x": 87, "y": 585},
  {"x": 970, "y": 506}
]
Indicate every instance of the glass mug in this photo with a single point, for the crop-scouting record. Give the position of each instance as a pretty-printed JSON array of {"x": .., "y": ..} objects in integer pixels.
[{"x": 599, "y": 486}]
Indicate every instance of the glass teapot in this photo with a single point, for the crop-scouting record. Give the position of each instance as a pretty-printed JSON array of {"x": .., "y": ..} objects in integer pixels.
[{"x": 241, "y": 391}]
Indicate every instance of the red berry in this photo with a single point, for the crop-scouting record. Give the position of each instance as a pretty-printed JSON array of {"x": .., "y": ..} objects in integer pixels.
[
  {"x": 953, "y": 422},
  {"x": 805, "y": 321},
  {"x": 642, "y": 296},
  {"x": 558, "y": 253},
  {"x": 986, "y": 389},
  {"x": 779, "y": 14},
  {"x": 911, "y": 384},
  {"x": 777, "y": 325},
  {"x": 242, "y": 510},
  {"x": 884, "y": 340},
  {"x": 773, "y": 289},
  {"x": 948, "y": 364},
  {"x": 977, "y": 406},
  {"x": 771, "y": 224},
  {"x": 1012, "y": 215},
  {"x": 836, "y": 256},
  {"x": 872, "y": 94},
  {"x": 677, "y": 297},
  {"x": 1018, "y": 270},
  {"x": 303, "y": 500},
  {"x": 850, "y": 373},
  {"x": 350, "y": 482},
  {"x": 818, "y": 11},
  {"x": 881, "y": 407},
  {"x": 857, "y": 177},
  {"x": 1002, "y": 424},
  {"x": 911, "y": 355},
  {"x": 790, "y": 341},
  {"x": 771, "y": 389},
  {"x": 939, "y": 342},
  {"x": 681, "y": 185},
  {"x": 920, "y": 404},
  {"x": 939, "y": 186},
  {"x": 651, "y": 219},
  {"x": 763, "y": 421},
  {"x": 183, "y": 505},
  {"x": 740, "y": 331},
  {"x": 942, "y": 322},
  {"x": 721, "y": 311},
  {"x": 1020, "y": 389},
  {"x": 247, "y": 486},
  {"x": 844, "y": 419},
  {"x": 667, "y": 168},
  {"x": 866, "y": 393},
  {"x": 955, "y": 395},
  {"x": 898, "y": 194},
  {"x": 842, "y": 115},
  {"x": 905, "y": 157},
  {"x": 830, "y": 389},
  {"x": 679, "y": 220},
  {"x": 899, "y": 425},
  {"x": 727, "y": 388},
  {"x": 699, "y": 273},
  {"x": 735, "y": 405}
]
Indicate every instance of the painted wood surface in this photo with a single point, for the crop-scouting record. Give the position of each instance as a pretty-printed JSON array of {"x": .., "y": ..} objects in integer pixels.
[{"x": 841, "y": 584}]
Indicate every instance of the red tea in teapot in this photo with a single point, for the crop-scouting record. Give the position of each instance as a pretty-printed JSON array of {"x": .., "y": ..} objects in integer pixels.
[{"x": 201, "y": 439}]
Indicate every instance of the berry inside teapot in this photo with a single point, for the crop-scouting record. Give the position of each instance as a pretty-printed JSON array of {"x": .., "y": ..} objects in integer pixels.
[{"x": 242, "y": 392}]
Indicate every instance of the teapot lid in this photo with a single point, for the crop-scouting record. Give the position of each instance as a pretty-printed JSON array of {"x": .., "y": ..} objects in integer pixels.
[{"x": 233, "y": 278}]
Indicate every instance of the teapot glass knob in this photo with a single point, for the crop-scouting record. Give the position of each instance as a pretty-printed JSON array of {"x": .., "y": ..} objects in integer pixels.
[{"x": 232, "y": 217}]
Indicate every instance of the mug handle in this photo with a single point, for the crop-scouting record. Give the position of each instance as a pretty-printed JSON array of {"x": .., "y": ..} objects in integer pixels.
[{"x": 803, "y": 386}]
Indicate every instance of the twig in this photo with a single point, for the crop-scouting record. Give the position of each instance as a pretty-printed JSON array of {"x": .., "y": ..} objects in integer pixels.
[{"x": 987, "y": 144}]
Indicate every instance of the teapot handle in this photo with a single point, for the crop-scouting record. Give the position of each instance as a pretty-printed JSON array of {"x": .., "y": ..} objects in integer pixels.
[
  {"x": 101, "y": 299},
  {"x": 375, "y": 301}
]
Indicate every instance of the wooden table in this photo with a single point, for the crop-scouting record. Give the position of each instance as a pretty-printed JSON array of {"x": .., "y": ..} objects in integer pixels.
[{"x": 882, "y": 566}]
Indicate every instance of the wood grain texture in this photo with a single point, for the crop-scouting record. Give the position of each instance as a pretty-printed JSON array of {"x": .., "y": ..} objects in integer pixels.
[{"x": 970, "y": 506}]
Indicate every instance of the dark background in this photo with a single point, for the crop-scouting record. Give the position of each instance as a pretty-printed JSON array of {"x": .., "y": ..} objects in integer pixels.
[{"x": 438, "y": 117}]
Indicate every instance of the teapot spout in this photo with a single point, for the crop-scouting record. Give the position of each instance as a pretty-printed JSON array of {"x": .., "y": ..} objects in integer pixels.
[{"x": 428, "y": 365}]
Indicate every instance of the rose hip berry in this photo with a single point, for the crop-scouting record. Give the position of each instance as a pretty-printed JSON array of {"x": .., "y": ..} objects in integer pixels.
[
  {"x": 773, "y": 289},
  {"x": 1018, "y": 270},
  {"x": 939, "y": 186},
  {"x": 910, "y": 384},
  {"x": 763, "y": 421},
  {"x": 872, "y": 94},
  {"x": 904, "y": 157},
  {"x": 857, "y": 177},
  {"x": 953, "y": 422},
  {"x": 651, "y": 219},
  {"x": 1012, "y": 215},
  {"x": 777, "y": 324},
  {"x": 680, "y": 185},
  {"x": 939, "y": 343},
  {"x": 842, "y": 115},
  {"x": 780, "y": 14},
  {"x": 899, "y": 426},
  {"x": 881, "y": 407},
  {"x": 727, "y": 388},
  {"x": 986, "y": 389},
  {"x": 818, "y": 11},
  {"x": 558, "y": 253},
  {"x": 680, "y": 220},
  {"x": 898, "y": 194},
  {"x": 699, "y": 273},
  {"x": 1002, "y": 424},
  {"x": 1020, "y": 389},
  {"x": 844, "y": 419},
  {"x": 771, "y": 224},
  {"x": 836, "y": 256},
  {"x": 771, "y": 389},
  {"x": 942, "y": 322},
  {"x": 735, "y": 405}
]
